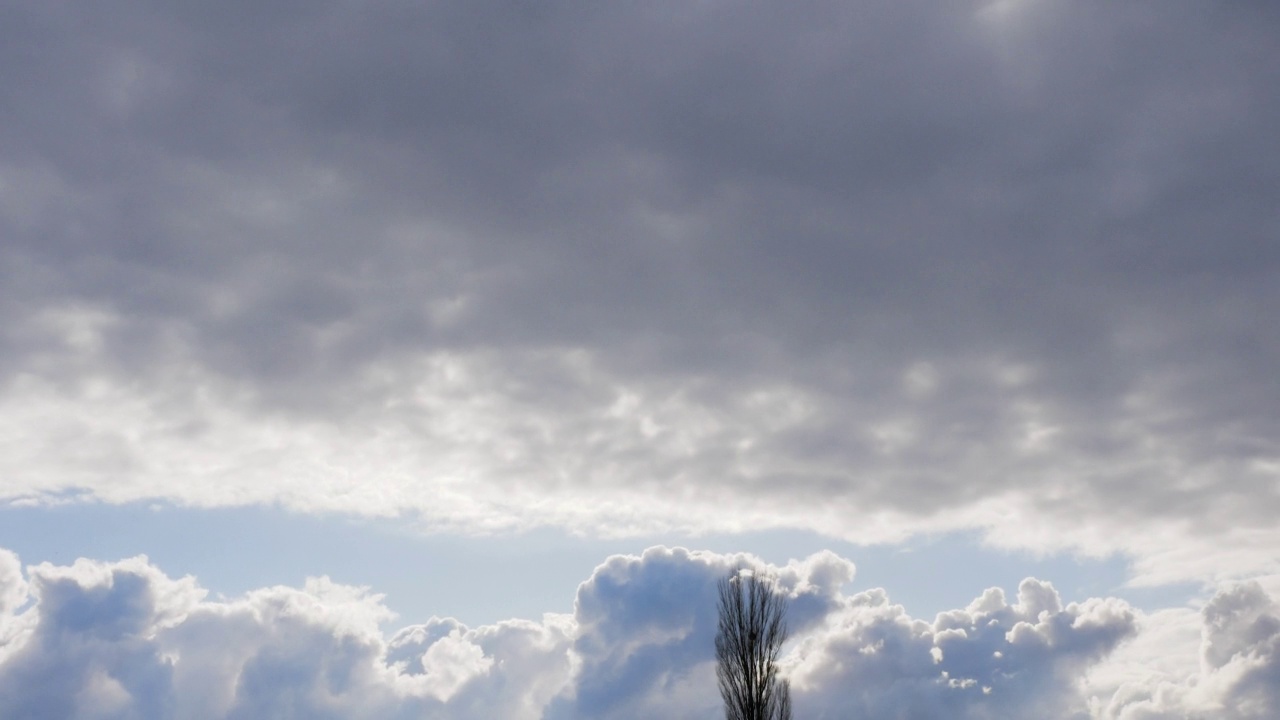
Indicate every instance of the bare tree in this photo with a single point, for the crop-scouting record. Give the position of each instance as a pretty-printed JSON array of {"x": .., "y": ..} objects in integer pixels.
[{"x": 752, "y": 629}]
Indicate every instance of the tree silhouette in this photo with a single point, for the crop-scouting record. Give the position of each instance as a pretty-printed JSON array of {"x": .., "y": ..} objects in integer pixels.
[{"x": 752, "y": 629}]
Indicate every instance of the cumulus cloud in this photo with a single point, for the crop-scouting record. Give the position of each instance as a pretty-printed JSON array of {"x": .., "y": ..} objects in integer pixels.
[
  {"x": 913, "y": 266},
  {"x": 124, "y": 640},
  {"x": 991, "y": 659},
  {"x": 13, "y": 589},
  {"x": 13, "y": 595},
  {"x": 1238, "y": 674},
  {"x": 644, "y": 626}
]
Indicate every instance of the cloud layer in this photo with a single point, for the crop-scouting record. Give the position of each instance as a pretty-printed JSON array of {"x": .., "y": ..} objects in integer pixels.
[
  {"x": 911, "y": 266},
  {"x": 122, "y": 640},
  {"x": 906, "y": 267}
]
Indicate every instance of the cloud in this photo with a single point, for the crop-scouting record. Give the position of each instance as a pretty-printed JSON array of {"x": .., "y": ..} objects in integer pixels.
[
  {"x": 1236, "y": 674},
  {"x": 13, "y": 595},
  {"x": 990, "y": 659},
  {"x": 124, "y": 640},
  {"x": 877, "y": 271},
  {"x": 904, "y": 268},
  {"x": 645, "y": 626},
  {"x": 13, "y": 589}
]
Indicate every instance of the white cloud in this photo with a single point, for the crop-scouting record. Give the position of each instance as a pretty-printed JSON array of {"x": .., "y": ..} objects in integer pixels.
[
  {"x": 1237, "y": 675},
  {"x": 13, "y": 588},
  {"x": 13, "y": 595},
  {"x": 991, "y": 659},
  {"x": 124, "y": 640}
]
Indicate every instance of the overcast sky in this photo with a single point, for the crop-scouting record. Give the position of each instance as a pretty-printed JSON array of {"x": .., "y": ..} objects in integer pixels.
[{"x": 986, "y": 280}]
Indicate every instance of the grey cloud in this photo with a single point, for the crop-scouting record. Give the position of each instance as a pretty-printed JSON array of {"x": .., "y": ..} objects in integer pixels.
[{"x": 1064, "y": 211}]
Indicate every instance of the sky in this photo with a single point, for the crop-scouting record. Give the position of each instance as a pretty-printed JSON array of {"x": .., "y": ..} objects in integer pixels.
[{"x": 436, "y": 358}]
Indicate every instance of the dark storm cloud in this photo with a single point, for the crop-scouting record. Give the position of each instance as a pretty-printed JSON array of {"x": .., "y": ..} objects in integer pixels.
[{"x": 1021, "y": 248}]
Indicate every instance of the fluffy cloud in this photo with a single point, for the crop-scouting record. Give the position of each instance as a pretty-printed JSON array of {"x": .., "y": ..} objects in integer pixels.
[
  {"x": 645, "y": 624},
  {"x": 1239, "y": 667},
  {"x": 13, "y": 595},
  {"x": 991, "y": 659},
  {"x": 123, "y": 640},
  {"x": 913, "y": 266}
]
